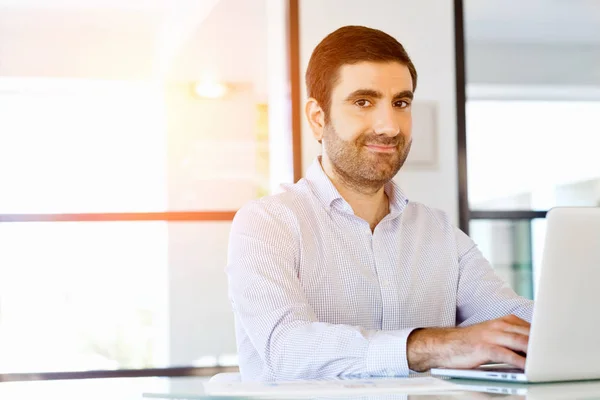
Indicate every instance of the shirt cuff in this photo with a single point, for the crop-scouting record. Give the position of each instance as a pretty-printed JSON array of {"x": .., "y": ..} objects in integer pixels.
[{"x": 386, "y": 355}]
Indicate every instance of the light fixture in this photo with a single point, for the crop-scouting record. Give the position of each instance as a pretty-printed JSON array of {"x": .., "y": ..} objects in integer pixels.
[{"x": 210, "y": 89}]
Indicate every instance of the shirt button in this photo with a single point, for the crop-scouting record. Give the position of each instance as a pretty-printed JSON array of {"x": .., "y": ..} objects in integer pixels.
[{"x": 385, "y": 283}]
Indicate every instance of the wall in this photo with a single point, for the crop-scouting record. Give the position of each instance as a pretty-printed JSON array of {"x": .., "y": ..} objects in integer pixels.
[
  {"x": 278, "y": 89},
  {"x": 426, "y": 29}
]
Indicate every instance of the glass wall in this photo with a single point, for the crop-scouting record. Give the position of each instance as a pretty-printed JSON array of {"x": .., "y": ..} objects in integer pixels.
[
  {"x": 533, "y": 96},
  {"x": 533, "y": 154},
  {"x": 130, "y": 133}
]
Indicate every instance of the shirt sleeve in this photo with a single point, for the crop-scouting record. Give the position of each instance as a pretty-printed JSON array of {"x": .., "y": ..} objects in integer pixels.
[
  {"x": 270, "y": 304},
  {"x": 483, "y": 295}
]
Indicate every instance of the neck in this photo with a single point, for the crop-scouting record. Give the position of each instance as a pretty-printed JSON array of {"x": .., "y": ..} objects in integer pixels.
[{"x": 369, "y": 203}]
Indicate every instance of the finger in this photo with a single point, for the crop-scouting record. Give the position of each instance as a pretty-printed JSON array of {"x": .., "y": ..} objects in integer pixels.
[
  {"x": 513, "y": 341},
  {"x": 513, "y": 319},
  {"x": 506, "y": 356},
  {"x": 521, "y": 330}
]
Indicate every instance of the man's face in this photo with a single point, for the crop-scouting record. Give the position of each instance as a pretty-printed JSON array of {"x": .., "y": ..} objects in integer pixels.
[{"x": 367, "y": 136}]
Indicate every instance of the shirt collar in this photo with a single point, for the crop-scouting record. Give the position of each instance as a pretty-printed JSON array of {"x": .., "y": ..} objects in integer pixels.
[{"x": 327, "y": 194}]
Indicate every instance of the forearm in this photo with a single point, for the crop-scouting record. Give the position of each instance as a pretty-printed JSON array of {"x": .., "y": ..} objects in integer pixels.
[{"x": 427, "y": 348}]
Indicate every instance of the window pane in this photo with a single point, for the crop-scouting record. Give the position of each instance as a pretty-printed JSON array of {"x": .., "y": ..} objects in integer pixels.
[
  {"x": 81, "y": 146},
  {"x": 82, "y": 296},
  {"x": 533, "y": 155},
  {"x": 109, "y": 121},
  {"x": 514, "y": 249}
]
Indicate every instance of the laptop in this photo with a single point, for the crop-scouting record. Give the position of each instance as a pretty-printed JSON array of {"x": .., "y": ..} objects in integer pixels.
[
  {"x": 564, "y": 342},
  {"x": 530, "y": 391}
]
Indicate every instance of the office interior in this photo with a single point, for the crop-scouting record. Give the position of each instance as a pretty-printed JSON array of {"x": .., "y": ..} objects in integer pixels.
[{"x": 131, "y": 131}]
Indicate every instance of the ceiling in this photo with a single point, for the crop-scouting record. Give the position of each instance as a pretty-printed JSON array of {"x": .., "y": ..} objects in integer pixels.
[
  {"x": 186, "y": 39},
  {"x": 533, "y": 21}
]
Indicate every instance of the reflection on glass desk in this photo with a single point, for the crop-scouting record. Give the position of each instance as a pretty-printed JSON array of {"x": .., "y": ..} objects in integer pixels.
[{"x": 192, "y": 388}]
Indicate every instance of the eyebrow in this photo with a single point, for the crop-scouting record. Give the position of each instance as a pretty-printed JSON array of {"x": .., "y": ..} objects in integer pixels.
[{"x": 378, "y": 95}]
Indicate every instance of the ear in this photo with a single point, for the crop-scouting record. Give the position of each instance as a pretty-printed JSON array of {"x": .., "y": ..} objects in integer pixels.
[{"x": 316, "y": 118}]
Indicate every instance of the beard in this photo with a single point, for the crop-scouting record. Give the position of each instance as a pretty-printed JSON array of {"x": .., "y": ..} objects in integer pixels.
[{"x": 358, "y": 167}]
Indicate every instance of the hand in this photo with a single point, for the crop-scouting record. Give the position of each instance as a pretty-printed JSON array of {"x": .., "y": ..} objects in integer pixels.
[{"x": 497, "y": 341}]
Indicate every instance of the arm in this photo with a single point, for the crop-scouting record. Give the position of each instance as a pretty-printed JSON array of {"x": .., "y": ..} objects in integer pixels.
[
  {"x": 494, "y": 320},
  {"x": 496, "y": 341},
  {"x": 482, "y": 295},
  {"x": 270, "y": 304}
]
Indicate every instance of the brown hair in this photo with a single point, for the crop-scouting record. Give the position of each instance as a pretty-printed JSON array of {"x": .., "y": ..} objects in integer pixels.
[{"x": 350, "y": 45}]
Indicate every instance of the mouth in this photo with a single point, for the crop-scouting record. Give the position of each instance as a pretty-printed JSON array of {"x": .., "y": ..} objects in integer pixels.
[{"x": 381, "y": 148}]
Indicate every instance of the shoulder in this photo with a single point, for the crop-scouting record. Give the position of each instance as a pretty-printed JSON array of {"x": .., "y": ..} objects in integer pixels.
[
  {"x": 422, "y": 214},
  {"x": 433, "y": 222},
  {"x": 279, "y": 208}
]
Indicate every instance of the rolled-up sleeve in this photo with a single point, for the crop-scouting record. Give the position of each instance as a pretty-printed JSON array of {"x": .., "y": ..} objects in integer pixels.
[{"x": 273, "y": 312}]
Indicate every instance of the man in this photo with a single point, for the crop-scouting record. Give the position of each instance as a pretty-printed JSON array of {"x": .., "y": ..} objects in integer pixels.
[{"x": 341, "y": 274}]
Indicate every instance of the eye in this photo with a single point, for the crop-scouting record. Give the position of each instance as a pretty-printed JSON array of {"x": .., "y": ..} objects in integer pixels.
[
  {"x": 362, "y": 103},
  {"x": 401, "y": 104}
]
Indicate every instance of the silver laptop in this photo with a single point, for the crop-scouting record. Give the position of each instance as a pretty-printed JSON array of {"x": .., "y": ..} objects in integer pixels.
[
  {"x": 530, "y": 391},
  {"x": 564, "y": 342}
]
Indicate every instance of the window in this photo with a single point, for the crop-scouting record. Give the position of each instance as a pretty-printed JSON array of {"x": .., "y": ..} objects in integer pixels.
[
  {"x": 119, "y": 182},
  {"x": 531, "y": 95},
  {"x": 533, "y": 155},
  {"x": 525, "y": 157}
]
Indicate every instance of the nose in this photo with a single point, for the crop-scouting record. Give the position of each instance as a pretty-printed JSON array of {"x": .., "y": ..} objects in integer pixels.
[{"x": 386, "y": 121}]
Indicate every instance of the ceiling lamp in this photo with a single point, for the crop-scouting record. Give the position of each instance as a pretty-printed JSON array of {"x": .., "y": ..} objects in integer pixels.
[{"x": 210, "y": 89}]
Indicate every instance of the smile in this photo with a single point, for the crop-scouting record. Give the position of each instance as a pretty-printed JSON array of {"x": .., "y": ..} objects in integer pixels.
[{"x": 381, "y": 148}]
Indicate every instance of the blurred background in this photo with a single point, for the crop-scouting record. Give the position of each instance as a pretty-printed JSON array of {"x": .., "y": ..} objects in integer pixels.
[
  {"x": 532, "y": 131},
  {"x": 131, "y": 131}
]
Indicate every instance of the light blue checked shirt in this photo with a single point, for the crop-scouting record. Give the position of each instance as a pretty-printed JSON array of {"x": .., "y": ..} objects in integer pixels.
[{"x": 316, "y": 294}]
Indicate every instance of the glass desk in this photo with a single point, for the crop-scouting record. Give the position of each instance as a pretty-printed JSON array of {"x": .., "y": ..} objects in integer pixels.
[{"x": 192, "y": 388}]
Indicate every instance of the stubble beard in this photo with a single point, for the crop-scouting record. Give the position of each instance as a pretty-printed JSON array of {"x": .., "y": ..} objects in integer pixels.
[{"x": 359, "y": 168}]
